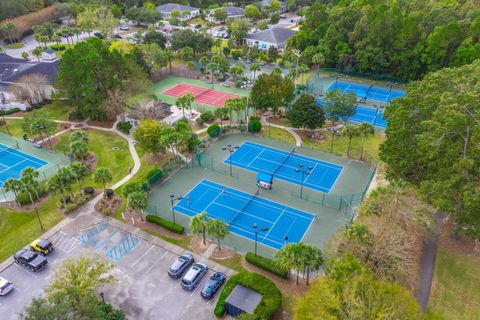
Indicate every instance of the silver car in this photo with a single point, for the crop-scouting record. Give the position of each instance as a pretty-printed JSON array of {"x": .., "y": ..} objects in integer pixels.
[
  {"x": 193, "y": 276},
  {"x": 5, "y": 286}
]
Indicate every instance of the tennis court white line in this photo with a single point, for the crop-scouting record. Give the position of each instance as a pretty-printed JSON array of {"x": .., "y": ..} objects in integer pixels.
[
  {"x": 253, "y": 239},
  {"x": 261, "y": 203},
  {"x": 20, "y": 156},
  {"x": 275, "y": 223},
  {"x": 306, "y": 231},
  {"x": 294, "y": 155},
  {"x": 12, "y": 166},
  {"x": 256, "y": 157}
]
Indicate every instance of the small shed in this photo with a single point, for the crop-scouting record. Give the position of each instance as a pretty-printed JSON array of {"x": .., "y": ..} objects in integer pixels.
[
  {"x": 49, "y": 55},
  {"x": 264, "y": 180},
  {"x": 242, "y": 300}
]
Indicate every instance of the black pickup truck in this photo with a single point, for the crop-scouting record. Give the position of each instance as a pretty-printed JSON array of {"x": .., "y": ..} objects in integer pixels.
[{"x": 30, "y": 260}]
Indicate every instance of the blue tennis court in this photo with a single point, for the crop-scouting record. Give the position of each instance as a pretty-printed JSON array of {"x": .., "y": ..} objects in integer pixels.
[
  {"x": 363, "y": 114},
  {"x": 366, "y": 91},
  {"x": 12, "y": 163},
  {"x": 282, "y": 164},
  {"x": 241, "y": 210}
]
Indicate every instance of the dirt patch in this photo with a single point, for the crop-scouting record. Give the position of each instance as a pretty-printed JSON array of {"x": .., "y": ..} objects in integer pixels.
[
  {"x": 133, "y": 218},
  {"x": 222, "y": 254},
  {"x": 91, "y": 162},
  {"x": 108, "y": 206},
  {"x": 462, "y": 245},
  {"x": 103, "y": 124},
  {"x": 152, "y": 158},
  {"x": 197, "y": 245}
]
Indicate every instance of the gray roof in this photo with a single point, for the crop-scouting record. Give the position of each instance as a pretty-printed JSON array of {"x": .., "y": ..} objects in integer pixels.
[
  {"x": 169, "y": 7},
  {"x": 231, "y": 11},
  {"x": 244, "y": 298},
  {"x": 50, "y": 51},
  {"x": 275, "y": 35},
  {"x": 12, "y": 68}
]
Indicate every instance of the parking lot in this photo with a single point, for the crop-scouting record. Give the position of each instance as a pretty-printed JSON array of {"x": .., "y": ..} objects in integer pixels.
[{"x": 144, "y": 289}]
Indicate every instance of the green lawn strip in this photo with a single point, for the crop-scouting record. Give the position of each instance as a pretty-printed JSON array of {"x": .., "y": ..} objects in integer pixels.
[
  {"x": 57, "y": 112},
  {"x": 277, "y": 133},
  {"x": 340, "y": 144},
  {"x": 234, "y": 263},
  {"x": 14, "y": 127},
  {"x": 455, "y": 285},
  {"x": 101, "y": 144},
  {"x": 20, "y": 228}
]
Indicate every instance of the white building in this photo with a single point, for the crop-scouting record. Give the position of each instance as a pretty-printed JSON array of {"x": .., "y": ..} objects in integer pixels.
[
  {"x": 275, "y": 37},
  {"x": 166, "y": 11},
  {"x": 268, "y": 3}
]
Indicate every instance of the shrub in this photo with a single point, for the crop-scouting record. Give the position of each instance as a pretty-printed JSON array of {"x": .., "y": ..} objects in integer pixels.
[
  {"x": 89, "y": 190},
  {"x": 214, "y": 130},
  {"x": 207, "y": 116},
  {"x": 131, "y": 187},
  {"x": 125, "y": 127},
  {"x": 4, "y": 113},
  {"x": 78, "y": 200},
  {"x": 271, "y": 295},
  {"x": 236, "y": 53},
  {"x": 266, "y": 264},
  {"x": 200, "y": 121},
  {"x": 254, "y": 125},
  {"x": 192, "y": 144},
  {"x": 166, "y": 224},
  {"x": 24, "y": 199},
  {"x": 109, "y": 193},
  {"x": 58, "y": 47}
]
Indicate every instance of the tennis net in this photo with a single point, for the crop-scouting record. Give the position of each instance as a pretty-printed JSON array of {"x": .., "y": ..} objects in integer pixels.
[
  {"x": 242, "y": 209},
  {"x": 369, "y": 88},
  {"x": 284, "y": 160},
  {"x": 8, "y": 149},
  {"x": 201, "y": 93}
]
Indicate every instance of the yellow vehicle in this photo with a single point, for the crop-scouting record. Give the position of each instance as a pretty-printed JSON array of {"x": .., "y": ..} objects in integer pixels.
[{"x": 42, "y": 246}]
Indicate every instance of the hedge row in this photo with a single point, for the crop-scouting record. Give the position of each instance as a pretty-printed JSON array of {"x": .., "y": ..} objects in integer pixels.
[
  {"x": 271, "y": 295},
  {"x": 266, "y": 264},
  {"x": 5, "y": 112},
  {"x": 166, "y": 224}
]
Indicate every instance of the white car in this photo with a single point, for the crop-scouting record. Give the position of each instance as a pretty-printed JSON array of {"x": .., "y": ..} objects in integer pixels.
[
  {"x": 5, "y": 286},
  {"x": 124, "y": 27}
]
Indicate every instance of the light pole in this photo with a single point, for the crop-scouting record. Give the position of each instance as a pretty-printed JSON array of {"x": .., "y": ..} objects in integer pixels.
[
  {"x": 230, "y": 148},
  {"x": 103, "y": 298},
  {"x": 304, "y": 171},
  {"x": 269, "y": 124},
  {"x": 286, "y": 239},
  {"x": 172, "y": 200},
  {"x": 255, "y": 228},
  {"x": 297, "y": 53}
]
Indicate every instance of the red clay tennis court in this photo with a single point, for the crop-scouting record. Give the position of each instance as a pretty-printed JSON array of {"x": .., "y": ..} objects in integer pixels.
[{"x": 202, "y": 95}]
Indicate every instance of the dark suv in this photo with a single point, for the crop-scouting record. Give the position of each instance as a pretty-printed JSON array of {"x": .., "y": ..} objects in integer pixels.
[
  {"x": 30, "y": 260},
  {"x": 193, "y": 276},
  {"x": 180, "y": 265}
]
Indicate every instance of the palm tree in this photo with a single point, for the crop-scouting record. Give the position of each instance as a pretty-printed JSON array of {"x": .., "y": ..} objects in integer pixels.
[
  {"x": 203, "y": 62},
  {"x": 313, "y": 259},
  {"x": 191, "y": 67},
  {"x": 80, "y": 171},
  {"x": 349, "y": 131},
  {"x": 79, "y": 135},
  {"x": 221, "y": 113},
  {"x": 79, "y": 149},
  {"x": 102, "y": 175},
  {"x": 254, "y": 67},
  {"x": 12, "y": 185},
  {"x": 291, "y": 256},
  {"x": 66, "y": 178},
  {"x": 217, "y": 229},
  {"x": 365, "y": 129},
  {"x": 198, "y": 225},
  {"x": 138, "y": 201},
  {"x": 168, "y": 56},
  {"x": 37, "y": 52},
  {"x": 318, "y": 58},
  {"x": 229, "y": 106},
  {"x": 185, "y": 102},
  {"x": 302, "y": 69},
  {"x": 29, "y": 184}
]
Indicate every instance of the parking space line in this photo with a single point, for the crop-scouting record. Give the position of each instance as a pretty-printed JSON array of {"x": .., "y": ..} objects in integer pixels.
[
  {"x": 136, "y": 261},
  {"x": 28, "y": 272},
  {"x": 153, "y": 265},
  {"x": 202, "y": 282},
  {"x": 76, "y": 245}
]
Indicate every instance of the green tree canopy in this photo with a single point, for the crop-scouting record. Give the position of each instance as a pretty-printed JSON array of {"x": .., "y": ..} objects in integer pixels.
[
  {"x": 339, "y": 105},
  {"x": 433, "y": 141},
  {"x": 37, "y": 122},
  {"x": 272, "y": 91},
  {"x": 306, "y": 113}
]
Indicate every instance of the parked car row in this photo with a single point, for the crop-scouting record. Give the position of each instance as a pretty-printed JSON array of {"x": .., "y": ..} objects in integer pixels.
[
  {"x": 222, "y": 35},
  {"x": 192, "y": 274},
  {"x": 32, "y": 258}
]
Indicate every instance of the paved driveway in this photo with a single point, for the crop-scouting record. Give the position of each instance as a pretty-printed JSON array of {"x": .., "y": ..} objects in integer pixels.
[{"x": 144, "y": 290}]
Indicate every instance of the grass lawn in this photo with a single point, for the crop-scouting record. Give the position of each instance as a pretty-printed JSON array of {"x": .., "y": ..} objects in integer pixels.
[
  {"x": 20, "y": 228},
  {"x": 14, "y": 127},
  {"x": 197, "y": 21},
  {"x": 101, "y": 143},
  {"x": 57, "y": 112},
  {"x": 340, "y": 144},
  {"x": 455, "y": 287},
  {"x": 278, "y": 134},
  {"x": 16, "y": 45},
  {"x": 234, "y": 262}
]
